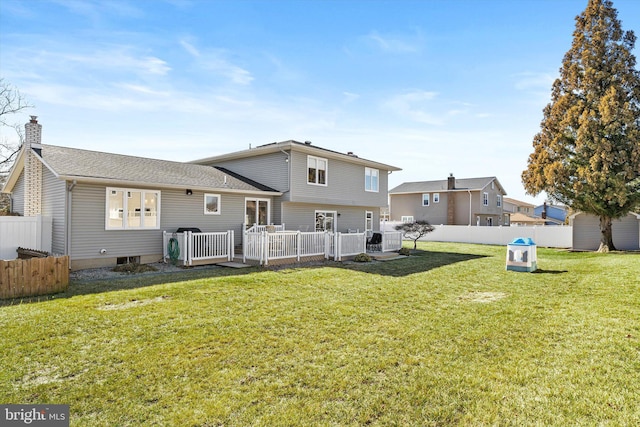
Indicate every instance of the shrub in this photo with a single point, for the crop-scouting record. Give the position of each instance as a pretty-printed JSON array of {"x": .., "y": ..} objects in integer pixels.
[
  {"x": 362, "y": 258},
  {"x": 404, "y": 251}
]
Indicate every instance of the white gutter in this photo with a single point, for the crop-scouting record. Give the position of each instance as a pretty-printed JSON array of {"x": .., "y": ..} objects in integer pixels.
[{"x": 117, "y": 182}]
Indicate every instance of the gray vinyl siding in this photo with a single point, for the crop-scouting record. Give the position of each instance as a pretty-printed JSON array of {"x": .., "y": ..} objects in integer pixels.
[
  {"x": 269, "y": 169},
  {"x": 177, "y": 209},
  {"x": 345, "y": 184},
  {"x": 180, "y": 210},
  {"x": 17, "y": 195},
  {"x": 53, "y": 205},
  {"x": 301, "y": 216},
  {"x": 586, "y": 232}
]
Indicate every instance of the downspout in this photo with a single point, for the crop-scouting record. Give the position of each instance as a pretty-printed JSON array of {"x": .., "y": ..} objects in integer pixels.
[
  {"x": 67, "y": 219},
  {"x": 470, "y": 216},
  {"x": 288, "y": 161},
  {"x": 288, "y": 170}
]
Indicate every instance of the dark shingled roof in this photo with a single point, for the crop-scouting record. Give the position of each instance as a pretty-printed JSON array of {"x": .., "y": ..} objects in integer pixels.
[
  {"x": 86, "y": 164},
  {"x": 441, "y": 185}
]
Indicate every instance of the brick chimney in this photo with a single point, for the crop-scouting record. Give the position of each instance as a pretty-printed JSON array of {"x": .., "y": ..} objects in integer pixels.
[
  {"x": 32, "y": 168},
  {"x": 451, "y": 200},
  {"x": 451, "y": 182}
]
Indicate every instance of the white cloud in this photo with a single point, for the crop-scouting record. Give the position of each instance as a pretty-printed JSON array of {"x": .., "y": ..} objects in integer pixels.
[
  {"x": 214, "y": 60},
  {"x": 533, "y": 81},
  {"x": 392, "y": 43},
  {"x": 349, "y": 97},
  {"x": 191, "y": 49},
  {"x": 415, "y": 106}
]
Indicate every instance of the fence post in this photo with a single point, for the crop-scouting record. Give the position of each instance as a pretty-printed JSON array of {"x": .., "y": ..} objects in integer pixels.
[
  {"x": 298, "y": 244},
  {"x": 265, "y": 247},
  {"x": 164, "y": 246},
  {"x": 244, "y": 245},
  {"x": 338, "y": 247},
  {"x": 188, "y": 242}
]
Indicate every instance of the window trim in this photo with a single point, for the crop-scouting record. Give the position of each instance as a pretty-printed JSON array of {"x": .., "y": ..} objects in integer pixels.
[
  {"x": 326, "y": 171},
  {"x": 436, "y": 197},
  {"x": 218, "y": 210},
  {"x": 369, "y": 173},
  {"x": 499, "y": 201},
  {"x": 485, "y": 199},
  {"x": 126, "y": 196},
  {"x": 427, "y": 198}
]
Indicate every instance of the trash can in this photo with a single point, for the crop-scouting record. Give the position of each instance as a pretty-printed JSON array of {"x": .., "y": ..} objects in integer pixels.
[{"x": 522, "y": 255}]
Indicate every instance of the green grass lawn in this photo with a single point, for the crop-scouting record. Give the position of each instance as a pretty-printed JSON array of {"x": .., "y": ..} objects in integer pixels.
[{"x": 444, "y": 337}]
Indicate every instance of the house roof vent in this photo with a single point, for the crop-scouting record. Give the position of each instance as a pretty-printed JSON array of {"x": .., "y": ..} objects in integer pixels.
[{"x": 307, "y": 142}]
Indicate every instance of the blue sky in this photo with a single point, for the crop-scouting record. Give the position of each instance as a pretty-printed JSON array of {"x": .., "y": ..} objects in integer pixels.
[{"x": 433, "y": 87}]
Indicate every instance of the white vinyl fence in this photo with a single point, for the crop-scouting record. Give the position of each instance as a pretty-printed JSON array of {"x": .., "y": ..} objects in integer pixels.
[
  {"x": 555, "y": 236},
  {"x": 32, "y": 232},
  {"x": 264, "y": 246},
  {"x": 198, "y": 246}
]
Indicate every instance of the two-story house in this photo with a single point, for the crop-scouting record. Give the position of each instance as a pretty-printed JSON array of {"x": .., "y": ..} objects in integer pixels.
[
  {"x": 320, "y": 189},
  {"x": 468, "y": 201},
  {"x": 109, "y": 208}
]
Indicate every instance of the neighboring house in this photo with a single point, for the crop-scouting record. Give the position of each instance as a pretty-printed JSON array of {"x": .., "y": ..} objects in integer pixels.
[
  {"x": 521, "y": 213},
  {"x": 552, "y": 214},
  {"x": 517, "y": 206},
  {"x": 518, "y": 219},
  {"x": 586, "y": 232},
  {"x": 470, "y": 201},
  {"x": 320, "y": 189},
  {"x": 110, "y": 208}
]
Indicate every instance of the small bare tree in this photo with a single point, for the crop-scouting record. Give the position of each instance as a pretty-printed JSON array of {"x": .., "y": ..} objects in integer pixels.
[
  {"x": 415, "y": 230},
  {"x": 11, "y": 102}
]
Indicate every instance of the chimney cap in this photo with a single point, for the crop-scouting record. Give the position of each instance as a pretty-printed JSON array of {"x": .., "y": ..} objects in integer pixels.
[{"x": 34, "y": 119}]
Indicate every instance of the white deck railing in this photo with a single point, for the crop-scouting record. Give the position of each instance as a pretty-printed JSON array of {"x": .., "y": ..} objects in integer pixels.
[
  {"x": 264, "y": 246},
  {"x": 199, "y": 246},
  {"x": 391, "y": 241}
]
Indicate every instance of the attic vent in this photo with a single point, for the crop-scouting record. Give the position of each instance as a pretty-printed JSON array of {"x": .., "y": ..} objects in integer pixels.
[
  {"x": 307, "y": 142},
  {"x": 350, "y": 153}
]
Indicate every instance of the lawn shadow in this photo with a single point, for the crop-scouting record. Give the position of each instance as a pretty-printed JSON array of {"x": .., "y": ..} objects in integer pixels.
[
  {"x": 132, "y": 281},
  {"x": 540, "y": 271},
  {"x": 418, "y": 262}
]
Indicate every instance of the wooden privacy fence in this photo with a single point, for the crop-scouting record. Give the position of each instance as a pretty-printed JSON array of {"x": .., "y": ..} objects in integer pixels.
[{"x": 33, "y": 277}]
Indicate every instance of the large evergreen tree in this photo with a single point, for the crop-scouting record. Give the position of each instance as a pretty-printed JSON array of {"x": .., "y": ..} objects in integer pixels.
[{"x": 587, "y": 153}]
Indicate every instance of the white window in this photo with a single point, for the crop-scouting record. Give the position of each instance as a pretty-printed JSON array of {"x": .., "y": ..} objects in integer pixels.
[
  {"x": 132, "y": 209},
  {"x": 436, "y": 197},
  {"x": 407, "y": 219},
  {"x": 212, "y": 204},
  {"x": 368, "y": 221},
  {"x": 485, "y": 199},
  {"x": 371, "y": 179},
  {"x": 325, "y": 220},
  {"x": 499, "y": 201},
  {"x": 317, "y": 170},
  {"x": 425, "y": 199}
]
